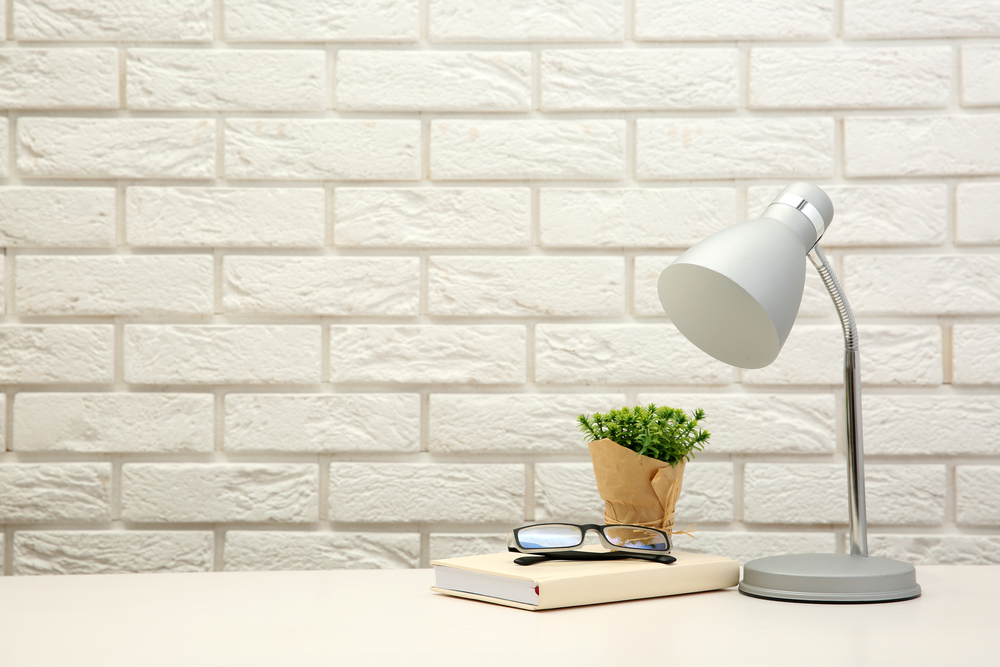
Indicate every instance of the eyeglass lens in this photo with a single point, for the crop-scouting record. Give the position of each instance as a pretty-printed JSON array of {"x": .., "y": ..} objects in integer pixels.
[
  {"x": 636, "y": 538},
  {"x": 549, "y": 536}
]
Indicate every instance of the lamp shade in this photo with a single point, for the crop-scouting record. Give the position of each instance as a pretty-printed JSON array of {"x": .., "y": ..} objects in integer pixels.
[{"x": 736, "y": 293}]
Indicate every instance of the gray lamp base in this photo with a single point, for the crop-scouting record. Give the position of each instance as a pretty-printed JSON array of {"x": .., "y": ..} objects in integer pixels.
[{"x": 829, "y": 578}]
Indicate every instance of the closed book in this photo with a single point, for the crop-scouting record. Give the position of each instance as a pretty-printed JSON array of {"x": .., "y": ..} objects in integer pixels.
[{"x": 556, "y": 583}]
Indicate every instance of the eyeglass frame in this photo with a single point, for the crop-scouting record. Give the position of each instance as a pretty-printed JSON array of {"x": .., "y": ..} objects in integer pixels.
[{"x": 513, "y": 542}]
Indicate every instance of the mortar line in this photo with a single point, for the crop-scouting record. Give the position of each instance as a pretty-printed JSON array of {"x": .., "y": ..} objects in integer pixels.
[
  {"x": 116, "y": 489},
  {"x": 425, "y": 420},
  {"x": 947, "y": 354},
  {"x": 425, "y": 547},
  {"x": 218, "y": 24},
  {"x": 219, "y": 420},
  {"x": 218, "y": 549}
]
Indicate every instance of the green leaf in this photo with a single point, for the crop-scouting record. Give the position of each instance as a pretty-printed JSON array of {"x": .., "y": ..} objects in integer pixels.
[{"x": 663, "y": 433}]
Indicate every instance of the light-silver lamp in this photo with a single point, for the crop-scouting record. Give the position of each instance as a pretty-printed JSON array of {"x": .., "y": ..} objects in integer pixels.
[{"x": 735, "y": 295}]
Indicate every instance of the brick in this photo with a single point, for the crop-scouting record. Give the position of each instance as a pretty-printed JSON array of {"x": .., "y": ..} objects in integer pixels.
[
  {"x": 900, "y": 425},
  {"x": 633, "y": 217},
  {"x": 747, "y": 546},
  {"x": 621, "y": 355},
  {"x": 922, "y": 146},
  {"x": 322, "y": 20},
  {"x": 434, "y": 80},
  {"x": 815, "y": 297},
  {"x": 299, "y": 148},
  {"x": 513, "y": 21},
  {"x": 219, "y": 354},
  {"x": 901, "y": 355},
  {"x": 731, "y": 19},
  {"x": 720, "y": 148},
  {"x": 905, "y": 494},
  {"x": 113, "y": 422},
  {"x": 47, "y": 353},
  {"x": 114, "y": 284},
  {"x": 631, "y": 79},
  {"x": 111, "y": 552},
  {"x": 116, "y": 147},
  {"x": 447, "y": 545},
  {"x": 923, "y": 284},
  {"x": 322, "y": 423},
  {"x": 284, "y": 550},
  {"x": 432, "y": 217},
  {"x": 707, "y": 494},
  {"x": 567, "y": 492},
  {"x": 513, "y": 423},
  {"x": 850, "y": 78},
  {"x": 522, "y": 149},
  {"x": 802, "y": 493},
  {"x": 113, "y": 20},
  {"x": 976, "y": 354},
  {"x": 980, "y": 76},
  {"x": 977, "y": 495},
  {"x": 226, "y": 217},
  {"x": 755, "y": 424},
  {"x": 59, "y": 79},
  {"x": 872, "y": 215},
  {"x": 867, "y": 19},
  {"x": 525, "y": 286},
  {"x": 488, "y": 354},
  {"x": 322, "y": 285},
  {"x": 57, "y": 217},
  {"x": 937, "y": 549},
  {"x": 220, "y": 492},
  {"x": 817, "y": 493},
  {"x": 53, "y": 492},
  {"x": 890, "y": 355},
  {"x": 976, "y": 218},
  {"x": 418, "y": 492},
  {"x": 225, "y": 80}
]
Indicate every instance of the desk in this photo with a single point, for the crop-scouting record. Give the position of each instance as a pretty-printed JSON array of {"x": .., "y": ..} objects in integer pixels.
[{"x": 386, "y": 617}]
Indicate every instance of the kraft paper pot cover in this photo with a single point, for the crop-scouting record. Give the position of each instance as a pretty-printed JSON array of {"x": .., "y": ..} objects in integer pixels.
[{"x": 636, "y": 489}]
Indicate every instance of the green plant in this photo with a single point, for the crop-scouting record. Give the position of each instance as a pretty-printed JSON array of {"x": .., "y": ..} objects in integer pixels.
[{"x": 663, "y": 433}]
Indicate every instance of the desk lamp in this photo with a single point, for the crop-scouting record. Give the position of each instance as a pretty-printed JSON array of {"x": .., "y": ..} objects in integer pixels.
[{"x": 735, "y": 295}]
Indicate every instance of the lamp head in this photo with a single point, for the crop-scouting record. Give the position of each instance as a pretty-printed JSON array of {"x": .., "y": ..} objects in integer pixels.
[{"x": 735, "y": 294}]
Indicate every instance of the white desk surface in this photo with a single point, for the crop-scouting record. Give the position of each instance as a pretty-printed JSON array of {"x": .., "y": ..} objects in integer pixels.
[{"x": 386, "y": 617}]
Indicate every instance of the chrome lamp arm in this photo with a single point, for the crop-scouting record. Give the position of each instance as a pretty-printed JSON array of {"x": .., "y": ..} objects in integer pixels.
[{"x": 852, "y": 396}]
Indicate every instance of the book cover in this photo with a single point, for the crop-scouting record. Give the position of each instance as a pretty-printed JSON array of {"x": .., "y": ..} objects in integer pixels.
[{"x": 549, "y": 585}]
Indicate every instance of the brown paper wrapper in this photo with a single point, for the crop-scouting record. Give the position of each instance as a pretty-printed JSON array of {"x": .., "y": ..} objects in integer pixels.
[{"x": 636, "y": 489}]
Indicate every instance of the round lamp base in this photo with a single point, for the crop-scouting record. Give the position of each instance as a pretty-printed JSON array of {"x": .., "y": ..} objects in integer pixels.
[{"x": 829, "y": 578}]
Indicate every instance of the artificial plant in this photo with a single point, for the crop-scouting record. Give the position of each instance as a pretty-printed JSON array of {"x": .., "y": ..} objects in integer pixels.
[{"x": 662, "y": 433}]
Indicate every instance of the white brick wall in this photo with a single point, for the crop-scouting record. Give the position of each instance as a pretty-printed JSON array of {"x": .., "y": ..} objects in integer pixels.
[
  {"x": 231, "y": 80},
  {"x": 308, "y": 284}
]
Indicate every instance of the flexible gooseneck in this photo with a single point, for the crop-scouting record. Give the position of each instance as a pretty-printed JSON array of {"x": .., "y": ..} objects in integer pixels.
[{"x": 852, "y": 395}]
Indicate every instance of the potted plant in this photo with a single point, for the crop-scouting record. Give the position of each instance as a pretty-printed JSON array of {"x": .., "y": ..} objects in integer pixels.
[{"x": 639, "y": 456}]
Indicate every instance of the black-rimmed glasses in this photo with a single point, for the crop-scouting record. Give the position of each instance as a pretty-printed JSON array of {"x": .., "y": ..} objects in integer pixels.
[{"x": 559, "y": 540}]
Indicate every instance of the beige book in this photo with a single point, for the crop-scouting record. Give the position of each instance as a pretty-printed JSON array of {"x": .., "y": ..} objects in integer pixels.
[{"x": 551, "y": 584}]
